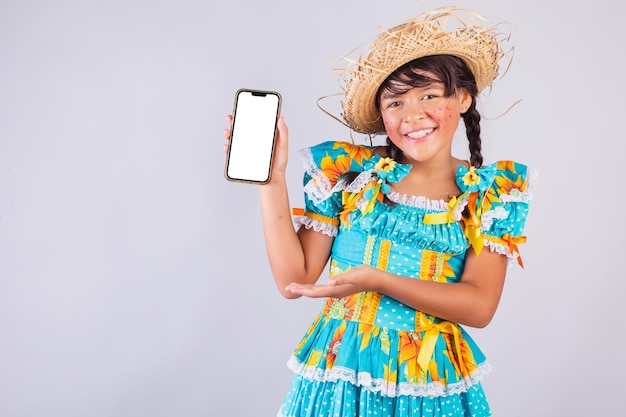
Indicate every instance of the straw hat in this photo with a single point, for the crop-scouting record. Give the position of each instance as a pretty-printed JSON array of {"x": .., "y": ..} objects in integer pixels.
[{"x": 447, "y": 30}]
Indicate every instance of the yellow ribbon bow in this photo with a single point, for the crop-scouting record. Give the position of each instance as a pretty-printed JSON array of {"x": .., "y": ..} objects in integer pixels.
[
  {"x": 445, "y": 216},
  {"x": 431, "y": 335}
]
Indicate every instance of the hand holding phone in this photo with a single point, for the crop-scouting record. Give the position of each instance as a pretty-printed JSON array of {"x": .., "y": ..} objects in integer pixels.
[{"x": 252, "y": 136}]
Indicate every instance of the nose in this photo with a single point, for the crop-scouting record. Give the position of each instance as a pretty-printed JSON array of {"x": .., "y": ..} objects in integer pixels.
[{"x": 413, "y": 111}]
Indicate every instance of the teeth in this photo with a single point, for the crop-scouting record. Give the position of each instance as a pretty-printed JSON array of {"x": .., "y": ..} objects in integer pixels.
[{"x": 419, "y": 134}]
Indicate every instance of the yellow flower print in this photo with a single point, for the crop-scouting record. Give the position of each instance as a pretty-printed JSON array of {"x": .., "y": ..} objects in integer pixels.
[
  {"x": 315, "y": 358},
  {"x": 335, "y": 269},
  {"x": 334, "y": 169},
  {"x": 367, "y": 331},
  {"x": 370, "y": 192},
  {"x": 385, "y": 165},
  {"x": 356, "y": 153},
  {"x": 340, "y": 308},
  {"x": 410, "y": 343},
  {"x": 471, "y": 177},
  {"x": 490, "y": 198},
  {"x": 433, "y": 370},
  {"x": 512, "y": 188},
  {"x": 506, "y": 165},
  {"x": 465, "y": 364},
  {"x": 435, "y": 266},
  {"x": 385, "y": 342},
  {"x": 390, "y": 376},
  {"x": 335, "y": 344}
]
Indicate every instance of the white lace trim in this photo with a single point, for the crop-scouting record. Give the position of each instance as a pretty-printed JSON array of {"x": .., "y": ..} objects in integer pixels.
[
  {"x": 501, "y": 249},
  {"x": 362, "y": 204},
  {"x": 319, "y": 188},
  {"x": 457, "y": 213},
  {"x": 361, "y": 181},
  {"x": 386, "y": 388},
  {"x": 417, "y": 201},
  {"x": 487, "y": 218},
  {"x": 309, "y": 223}
]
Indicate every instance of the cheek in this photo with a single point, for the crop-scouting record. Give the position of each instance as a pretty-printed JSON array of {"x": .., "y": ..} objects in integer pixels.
[
  {"x": 389, "y": 122},
  {"x": 442, "y": 114},
  {"x": 389, "y": 127}
]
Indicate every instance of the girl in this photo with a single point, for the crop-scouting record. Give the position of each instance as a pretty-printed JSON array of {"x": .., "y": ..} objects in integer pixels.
[{"x": 417, "y": 239}]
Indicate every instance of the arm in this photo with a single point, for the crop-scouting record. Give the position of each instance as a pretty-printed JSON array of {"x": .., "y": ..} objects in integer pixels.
[
  {"x": 293, "y": 257},
  {"x": 473, "y": 301}
]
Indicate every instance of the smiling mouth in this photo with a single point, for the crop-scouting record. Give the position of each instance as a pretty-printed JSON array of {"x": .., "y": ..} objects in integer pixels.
[{"x": 419, "y": 134}]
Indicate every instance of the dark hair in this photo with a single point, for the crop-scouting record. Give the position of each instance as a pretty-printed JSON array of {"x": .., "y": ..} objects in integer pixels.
[{"x": 455, "y": 75}]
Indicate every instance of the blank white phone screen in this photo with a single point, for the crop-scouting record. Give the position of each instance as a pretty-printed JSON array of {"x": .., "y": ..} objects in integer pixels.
[{"x": 252, "y": 138}]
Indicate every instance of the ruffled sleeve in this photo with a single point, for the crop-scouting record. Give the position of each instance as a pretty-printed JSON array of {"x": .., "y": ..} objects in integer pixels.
[
  {"x": 326, "y": 166},
  {"x": 497, "y": 198}
]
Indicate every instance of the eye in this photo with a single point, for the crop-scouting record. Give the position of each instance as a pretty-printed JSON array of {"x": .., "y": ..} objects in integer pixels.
[
  {"x": 389, "y": 104},
  {"x": 433, "y": 91},
  {"x": 427, "y": 97}
]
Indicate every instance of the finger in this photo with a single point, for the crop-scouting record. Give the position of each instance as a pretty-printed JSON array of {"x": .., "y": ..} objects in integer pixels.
[
  {"x": 340, "y": 279},
  {"x": 283, "y": 131},
  {"x": 282, "y": 125},
  {"x": 299, "y": 287},
  {"x": 229, "y": 120},
  {"x": 307, "y": 290}
]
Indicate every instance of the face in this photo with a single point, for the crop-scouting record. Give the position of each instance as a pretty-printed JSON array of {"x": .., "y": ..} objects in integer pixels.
[{"x": 422, "y": 121}]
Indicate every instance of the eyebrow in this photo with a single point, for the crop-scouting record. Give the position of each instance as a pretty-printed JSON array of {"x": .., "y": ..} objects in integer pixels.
[{"x": 387, "y": 93}]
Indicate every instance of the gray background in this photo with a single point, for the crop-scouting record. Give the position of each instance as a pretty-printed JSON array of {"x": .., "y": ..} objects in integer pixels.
[{"x": 133, "y": 277}]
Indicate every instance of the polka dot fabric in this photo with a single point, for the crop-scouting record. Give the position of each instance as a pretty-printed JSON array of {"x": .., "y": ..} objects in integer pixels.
[
  {"x": 337, "y": 399},
  {"x": 368, "y": 354}
]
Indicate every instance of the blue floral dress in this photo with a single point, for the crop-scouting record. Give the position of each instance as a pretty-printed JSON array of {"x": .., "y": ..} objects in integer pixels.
[{"x": 368, "y": 354}]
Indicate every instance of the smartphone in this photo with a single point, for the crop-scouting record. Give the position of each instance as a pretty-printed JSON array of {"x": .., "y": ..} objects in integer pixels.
[{"x": 252, "y": 136}]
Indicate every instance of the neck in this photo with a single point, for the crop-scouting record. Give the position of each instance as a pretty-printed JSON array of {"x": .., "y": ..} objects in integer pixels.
[
  {"x": 434, "y": 179},
  {"x": 435, "y": 168}
]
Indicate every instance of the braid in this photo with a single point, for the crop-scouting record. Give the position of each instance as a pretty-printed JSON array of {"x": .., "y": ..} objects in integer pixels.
[
  {"x": 472, "y": 129},
  {"x": 393, "y": 151}
]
